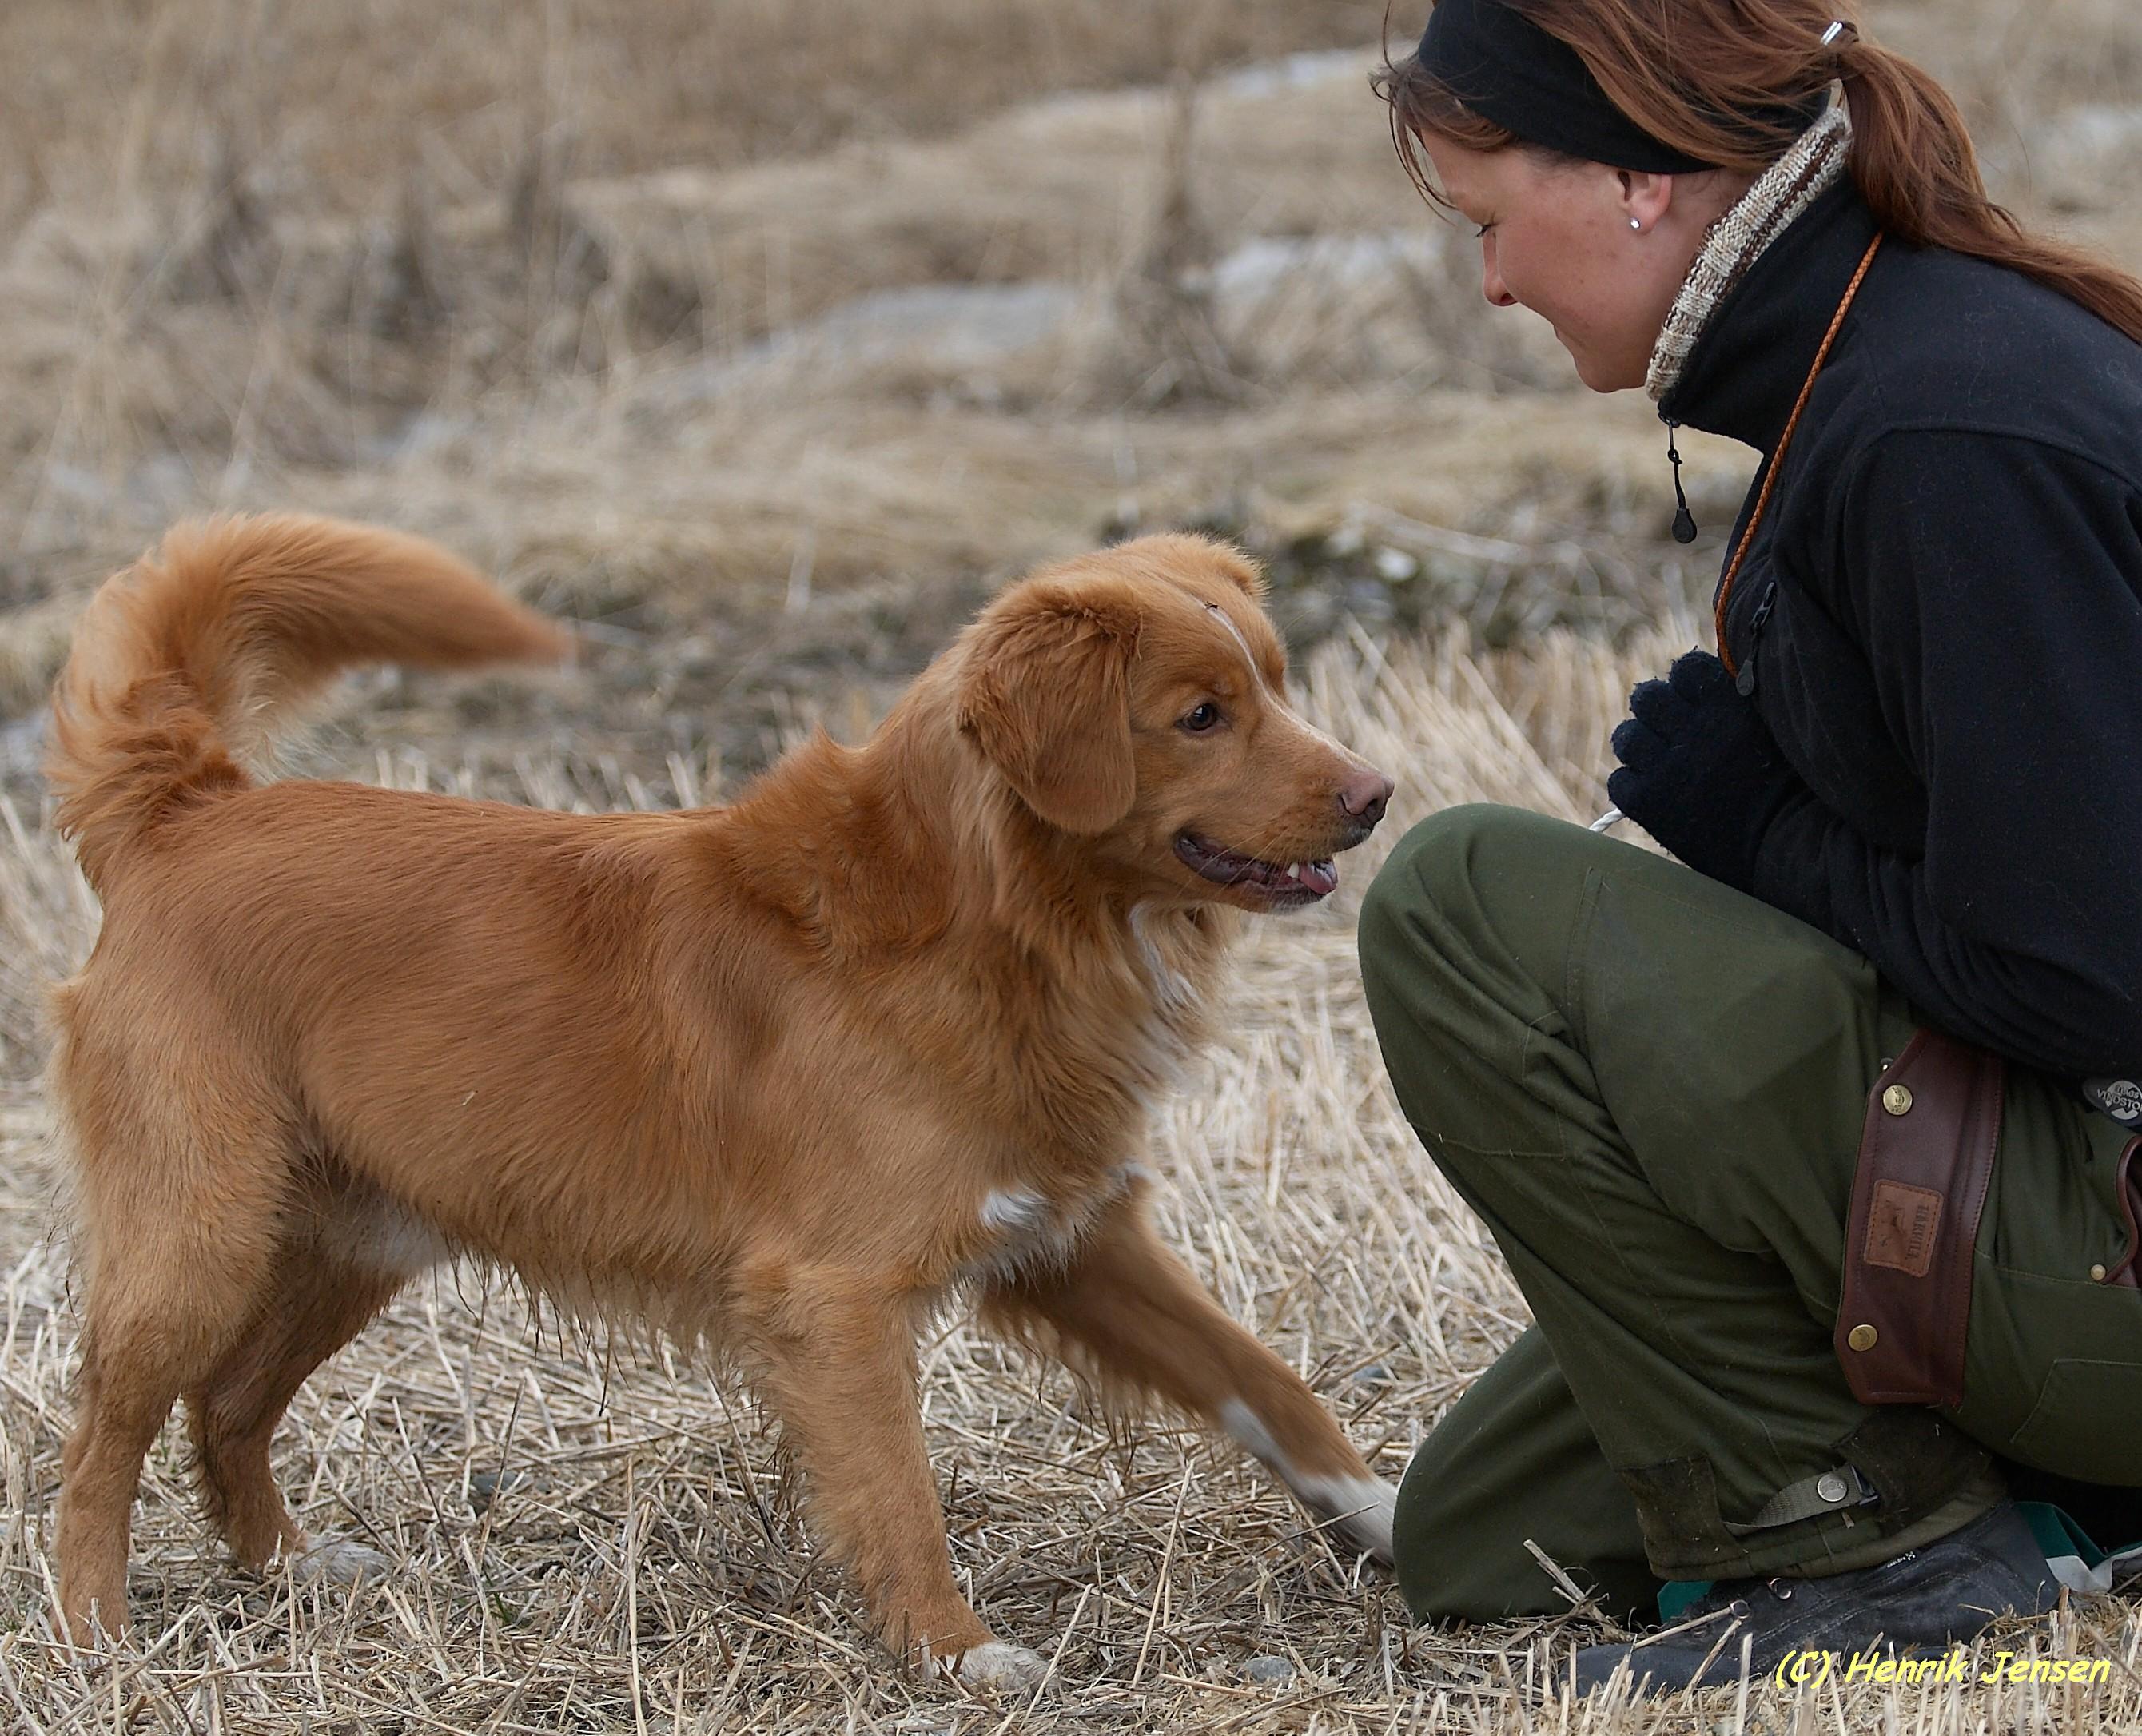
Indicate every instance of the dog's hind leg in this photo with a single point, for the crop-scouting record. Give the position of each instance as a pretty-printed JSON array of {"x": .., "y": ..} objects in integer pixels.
[
  {"x": 838, "y": 1368},
  {"x": 124, "y": 1391},
  {"x": 318, "y": 1304},
  {"x": 1125, "y": 1309},
  {"x": 176, "y": 1233}
]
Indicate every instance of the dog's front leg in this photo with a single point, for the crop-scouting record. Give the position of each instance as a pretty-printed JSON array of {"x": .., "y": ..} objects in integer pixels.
[
  {"x": 1125, "y": 1308},
  {"x": 839, "y": 1370}
]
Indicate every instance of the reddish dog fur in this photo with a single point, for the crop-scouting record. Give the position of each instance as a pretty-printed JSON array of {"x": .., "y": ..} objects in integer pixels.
[{"x": 780, "y": 1077}]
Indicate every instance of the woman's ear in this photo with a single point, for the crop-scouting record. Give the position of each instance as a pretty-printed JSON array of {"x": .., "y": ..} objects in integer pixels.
[
  {"x": 1646, "y": 198},
  {"x": 1045, "y": 695}
]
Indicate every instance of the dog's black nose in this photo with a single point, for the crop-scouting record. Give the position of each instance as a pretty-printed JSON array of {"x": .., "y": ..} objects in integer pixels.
[{"x": 1365, "y": 796}]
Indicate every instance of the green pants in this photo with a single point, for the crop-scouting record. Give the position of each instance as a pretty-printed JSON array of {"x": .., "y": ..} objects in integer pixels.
[{"x": 1651, "y": 1087}]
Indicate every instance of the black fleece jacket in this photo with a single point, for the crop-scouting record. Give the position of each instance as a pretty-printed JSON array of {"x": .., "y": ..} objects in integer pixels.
[{"x": 1949, "y": 646}]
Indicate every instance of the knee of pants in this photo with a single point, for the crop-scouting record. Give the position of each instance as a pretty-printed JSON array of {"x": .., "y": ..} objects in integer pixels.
[
  {"x": 1461, "y": 1555},
  {"x": 1434, "y": 867},
  {"x": 1460, "y": 933},
  {"x": 1445, "y": 1570}
]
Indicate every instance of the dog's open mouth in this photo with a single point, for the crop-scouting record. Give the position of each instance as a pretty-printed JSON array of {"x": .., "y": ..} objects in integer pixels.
[{"x": 1282, "y": 883}]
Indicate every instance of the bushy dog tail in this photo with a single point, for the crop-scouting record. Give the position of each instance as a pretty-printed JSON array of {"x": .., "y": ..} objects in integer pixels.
[{"x": 185, "y": 664}]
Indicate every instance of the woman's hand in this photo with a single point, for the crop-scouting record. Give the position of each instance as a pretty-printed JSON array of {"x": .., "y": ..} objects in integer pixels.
[{"x": 1699, "y": 770}]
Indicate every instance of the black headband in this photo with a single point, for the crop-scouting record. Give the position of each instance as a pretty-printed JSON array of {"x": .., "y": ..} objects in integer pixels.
[{"x": 1508, "y": 70}]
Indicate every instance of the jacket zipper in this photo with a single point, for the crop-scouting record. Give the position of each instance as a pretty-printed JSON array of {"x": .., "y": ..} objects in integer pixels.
[{"x": 1744, "y": 682}]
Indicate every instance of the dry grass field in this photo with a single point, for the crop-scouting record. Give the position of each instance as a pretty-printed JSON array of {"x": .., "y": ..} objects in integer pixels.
[{"x": 764, "y": 339}]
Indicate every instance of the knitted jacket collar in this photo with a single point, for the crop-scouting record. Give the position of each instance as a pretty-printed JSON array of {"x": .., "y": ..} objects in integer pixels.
[
  {"x": 1736, "y": 246},
  {"x": 1746, "y": 367},
  {"x": 1743, "y": 234}
]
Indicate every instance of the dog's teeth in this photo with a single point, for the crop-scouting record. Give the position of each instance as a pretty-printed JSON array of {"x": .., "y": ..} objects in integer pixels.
[{"x": 1293, "y": 871}]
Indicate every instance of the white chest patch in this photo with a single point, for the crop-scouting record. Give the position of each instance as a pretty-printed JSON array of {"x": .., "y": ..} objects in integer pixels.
[
  {"x": 1014, "y": 1211},
  {"x": 389, "y": 1239},
  {"x": 1171, "y": 990},
  {"x": 1025, "y": 1231}
]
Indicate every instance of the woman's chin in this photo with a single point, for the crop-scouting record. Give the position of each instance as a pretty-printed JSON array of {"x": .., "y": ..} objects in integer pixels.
[{"x": 1603, "y": 374}]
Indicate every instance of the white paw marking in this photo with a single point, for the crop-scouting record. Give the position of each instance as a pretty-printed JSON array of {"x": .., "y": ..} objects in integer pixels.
[
  {"x": 1359, "y": 1511},
  {"x": 338, "y": 1561},
  {"x": 999, "y": 1664},
  {"x": 1253, "y": 1439}
]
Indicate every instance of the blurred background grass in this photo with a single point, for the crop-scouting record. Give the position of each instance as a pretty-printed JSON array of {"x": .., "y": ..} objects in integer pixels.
[{"x": 767, "y": 337}]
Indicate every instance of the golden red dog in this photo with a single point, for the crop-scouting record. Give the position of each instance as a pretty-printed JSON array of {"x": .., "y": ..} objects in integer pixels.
[{"x": 780, "y": 1078}]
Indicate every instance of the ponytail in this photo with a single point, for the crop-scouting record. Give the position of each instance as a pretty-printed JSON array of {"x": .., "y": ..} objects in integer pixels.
[
  {"x": 1677, "y": 70},
  {"x": 1914, "y": 165}
]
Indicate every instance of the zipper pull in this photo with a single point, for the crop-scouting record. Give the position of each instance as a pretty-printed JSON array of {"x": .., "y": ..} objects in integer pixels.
[
  {"x": 1744, "y": 683},
  {"x": 1684, "y": 523}
]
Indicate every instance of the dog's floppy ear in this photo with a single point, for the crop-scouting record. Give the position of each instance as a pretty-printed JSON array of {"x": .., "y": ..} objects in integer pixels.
[
  {"x": 1244, "y": 572},
  {"x": 1045, "y": 695}
]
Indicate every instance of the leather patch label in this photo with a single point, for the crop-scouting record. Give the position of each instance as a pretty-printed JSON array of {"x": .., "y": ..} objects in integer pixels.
[{"x": 1901, "y": 1223}]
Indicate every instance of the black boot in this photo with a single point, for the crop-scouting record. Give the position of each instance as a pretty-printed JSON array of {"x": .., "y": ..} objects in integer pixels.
[{"x": 1946, "y": 1592}]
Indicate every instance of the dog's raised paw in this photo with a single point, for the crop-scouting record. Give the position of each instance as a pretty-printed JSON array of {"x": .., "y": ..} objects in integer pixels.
[
  {"x": 999, "y": 1664},
  {"x": 1361, "y": 1512},
  {"x": 338, "y": 1561}
]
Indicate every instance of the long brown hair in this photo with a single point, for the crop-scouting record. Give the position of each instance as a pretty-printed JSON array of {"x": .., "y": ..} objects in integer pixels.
[{"x": 1674, "y": 69}]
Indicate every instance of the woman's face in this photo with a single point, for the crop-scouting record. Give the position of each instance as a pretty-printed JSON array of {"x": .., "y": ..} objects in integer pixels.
[{"x": 1598, "y": 253}]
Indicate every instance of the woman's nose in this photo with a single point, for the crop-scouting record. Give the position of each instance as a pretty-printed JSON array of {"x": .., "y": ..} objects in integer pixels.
[{"x": 1491, "y": 276}]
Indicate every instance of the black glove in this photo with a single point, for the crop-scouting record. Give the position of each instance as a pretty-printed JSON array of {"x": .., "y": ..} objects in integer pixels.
[{"x": 1700, "y": 770}]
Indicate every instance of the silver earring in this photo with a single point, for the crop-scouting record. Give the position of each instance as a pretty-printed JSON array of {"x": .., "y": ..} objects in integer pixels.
[{"x": 1636, "y": 225}]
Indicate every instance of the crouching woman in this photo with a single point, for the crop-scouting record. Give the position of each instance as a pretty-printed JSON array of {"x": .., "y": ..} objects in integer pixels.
[{"x": 1808, "y": 1149}]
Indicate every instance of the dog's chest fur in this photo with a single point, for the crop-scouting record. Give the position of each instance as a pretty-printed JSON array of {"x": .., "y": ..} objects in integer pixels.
[
  {"x": 1098, "y": 1079},
  {"x": 1019, "y": 1230}
]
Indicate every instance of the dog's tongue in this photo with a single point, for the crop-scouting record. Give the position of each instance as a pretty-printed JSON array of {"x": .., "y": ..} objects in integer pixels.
[{"x": 1321, "y": 878}]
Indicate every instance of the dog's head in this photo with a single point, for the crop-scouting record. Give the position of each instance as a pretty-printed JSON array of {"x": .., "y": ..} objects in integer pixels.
[{"x": 1136, "y": 699}]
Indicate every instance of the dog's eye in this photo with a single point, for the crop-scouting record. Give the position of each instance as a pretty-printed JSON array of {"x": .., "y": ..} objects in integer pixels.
[{"x": 1202, "y": 720}]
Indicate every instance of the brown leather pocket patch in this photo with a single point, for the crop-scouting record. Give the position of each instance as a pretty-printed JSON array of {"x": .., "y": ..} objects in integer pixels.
[
  {"x": 1926, "y": 1160},
  {"x": 1901, "y": 1222}
]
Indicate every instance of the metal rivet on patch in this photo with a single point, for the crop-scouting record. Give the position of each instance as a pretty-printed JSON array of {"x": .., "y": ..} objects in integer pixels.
[
  {"x": 2097, "y": 1274},
  {"x": 1832, "y": 1488},
  {"x": 1897, "y": 1099},
  {"x": 1862, "y": 1338}
]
